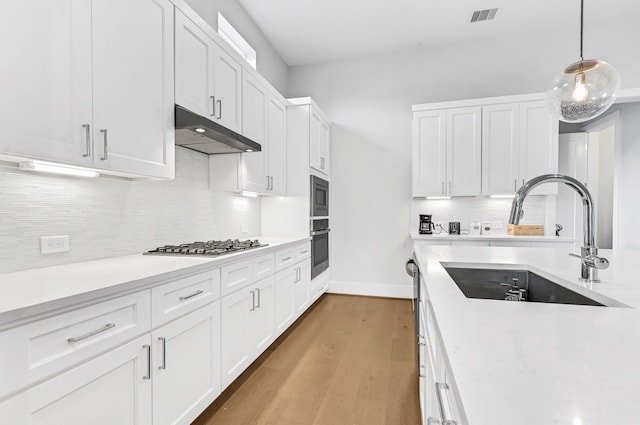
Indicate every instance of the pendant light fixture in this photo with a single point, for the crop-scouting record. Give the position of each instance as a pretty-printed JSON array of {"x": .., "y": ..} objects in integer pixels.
[{"x": 585, "y": 89}]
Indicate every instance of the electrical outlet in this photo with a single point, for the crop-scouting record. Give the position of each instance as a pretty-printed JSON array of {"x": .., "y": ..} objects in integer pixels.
[
  {"x": 244, "y": 229},
  {"x": 53, "y": 244}
]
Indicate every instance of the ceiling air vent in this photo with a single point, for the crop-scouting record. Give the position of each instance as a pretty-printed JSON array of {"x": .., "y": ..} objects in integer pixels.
[{"x": 483, "y": 15}]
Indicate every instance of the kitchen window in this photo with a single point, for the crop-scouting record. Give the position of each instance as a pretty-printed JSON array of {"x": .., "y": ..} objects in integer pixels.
[{"x": 236, "y": 41}]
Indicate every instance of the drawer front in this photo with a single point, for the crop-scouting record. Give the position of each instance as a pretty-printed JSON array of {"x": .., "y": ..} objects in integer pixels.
[
  {"x": 264, "y": 266},
  {"x": 235, "y": 276},
  {"x": 285, "y": 258},
  {"x": 36, "y": 350},
  {"x": 178, "y": 298},
  {"x": 303, "y": 251}
]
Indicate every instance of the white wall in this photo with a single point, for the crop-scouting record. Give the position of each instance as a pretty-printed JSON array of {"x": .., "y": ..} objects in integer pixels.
[
  {"x": 269, "y": 63},
  {"x": 369, "y": 103},
  {"x": 106, "y": 217}
]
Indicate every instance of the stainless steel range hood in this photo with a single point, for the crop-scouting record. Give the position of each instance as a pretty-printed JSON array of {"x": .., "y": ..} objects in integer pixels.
[{"x": 200, "y": 134}]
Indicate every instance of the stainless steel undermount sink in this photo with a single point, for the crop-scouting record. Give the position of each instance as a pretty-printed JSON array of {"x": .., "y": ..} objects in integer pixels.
[{"x": 514, "y": 285}]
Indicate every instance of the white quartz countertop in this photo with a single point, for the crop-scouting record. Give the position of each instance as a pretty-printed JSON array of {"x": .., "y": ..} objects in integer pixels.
[
  {"x": 38, "y": 290},
  {"x": 489, "y": 237},
  {"x": 536, "y": 363}
]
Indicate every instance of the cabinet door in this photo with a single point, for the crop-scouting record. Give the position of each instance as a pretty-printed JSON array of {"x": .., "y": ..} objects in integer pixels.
[
  {"x": 254, "y": 126},
  {"x": 133, "y": 88},
  {"x": 284, "y": 299},
  {"x": 110, "y": 389},
  {"x": 194, "y": 67},
  {"x": 463, "y": 151},
  {"x": 263, "y": 316},
  {"x": 316, "y": 142},
  {"x": 500, "y": 160},
  {"x": 323, "y": 141},
  {"x": 429, "y": 153},
  {"x": 46, "y": 80},
  {"x": 227, "y": 90},
  {"x": 235, "y": 341},
  {"x": 302, "y": 287},
  {"x": 538, "y": 145},
  {"x": 186, "y": 366},
  {"x": 277, "y": 138}
]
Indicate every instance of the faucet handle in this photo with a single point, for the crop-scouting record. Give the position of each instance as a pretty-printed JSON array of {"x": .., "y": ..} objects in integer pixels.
[{"x": 593, "y": 261}]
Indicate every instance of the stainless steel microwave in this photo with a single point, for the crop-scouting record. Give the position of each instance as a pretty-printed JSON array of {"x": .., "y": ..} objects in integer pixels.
[{"x": 319, "y": 197}]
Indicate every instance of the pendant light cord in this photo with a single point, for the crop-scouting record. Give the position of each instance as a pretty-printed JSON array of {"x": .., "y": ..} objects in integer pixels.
[{"x": 581, "y": 26}]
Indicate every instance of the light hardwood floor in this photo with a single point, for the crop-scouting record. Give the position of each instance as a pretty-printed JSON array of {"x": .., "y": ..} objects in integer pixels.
[{"x": 348, "y": 361}]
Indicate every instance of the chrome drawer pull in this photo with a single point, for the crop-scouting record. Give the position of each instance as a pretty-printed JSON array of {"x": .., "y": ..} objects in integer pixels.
[
  {"x": 286, "y": 259},
  {"x": 195, "y": 294},
  {"x": 213, "y": 101},
  {"x": 92, "y": 333},
  {"x": 87, "y": 128},
  {"x": 219, "y": 109},
  {"x": 163, "y": 340},
  {"x": 441, "y": 392},
  {"x": 148, "y": 348},
  {"x": 258, "y": 291},
  {"x": 106, "y": 147},
  {"x": 253, "y": 301}
]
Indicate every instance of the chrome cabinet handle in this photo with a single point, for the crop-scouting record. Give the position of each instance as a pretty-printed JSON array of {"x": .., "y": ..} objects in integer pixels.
[
  {"x": 92, "y": 333},
  {"x": 267, "y": 177},
  {"x": 258, "y": 291},
  {"x": 163, "y": 341},
  {"x": 515, "y": 185},
  {"x": 286, "y": 259},
  {"x": 105, "y": 156},
  {"x": 148, "y": 348},
  {"x": 320, "y": 232},
  {"x": 195, "y": 294},
  {"x": 87, "y": 136},
  {"x": 213, "y": 102},
  {"x": 271, "y": 177},
  {"x": 441, "y": 392},
  {"x": 253, "y": 301},
  {"x": 219, "y": 109}
]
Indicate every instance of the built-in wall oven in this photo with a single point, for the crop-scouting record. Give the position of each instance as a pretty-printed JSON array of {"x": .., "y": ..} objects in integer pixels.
[
  {"x": 319, "y": 226},
  {"x": 319, "y": 246},
  {"x": 319, "y": 197}
]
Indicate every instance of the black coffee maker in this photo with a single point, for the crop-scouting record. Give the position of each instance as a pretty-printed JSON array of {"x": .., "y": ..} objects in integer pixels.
[{"x": 426, "y": 225}]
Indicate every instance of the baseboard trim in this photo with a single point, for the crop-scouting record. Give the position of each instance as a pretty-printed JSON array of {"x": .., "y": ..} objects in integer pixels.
[{"x": 370, "y": 289}]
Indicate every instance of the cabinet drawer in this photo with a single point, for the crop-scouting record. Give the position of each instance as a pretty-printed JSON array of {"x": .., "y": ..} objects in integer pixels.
[
  {"x": 42, "y": 348},
  {"x": 285, "y": 257},
  {"x": 303, "y": 251},
  {"x": 178, "y": 298},
  {"x": 235, "y": 276},
  {"x": 264, "y": 266}
]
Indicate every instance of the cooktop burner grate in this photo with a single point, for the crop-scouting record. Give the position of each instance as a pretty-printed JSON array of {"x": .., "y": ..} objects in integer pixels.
[{"x": 210, "y": 248}]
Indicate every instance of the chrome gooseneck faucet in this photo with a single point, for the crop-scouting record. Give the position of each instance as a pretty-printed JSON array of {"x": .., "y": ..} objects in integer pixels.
[{"x": 591, "y": 263}]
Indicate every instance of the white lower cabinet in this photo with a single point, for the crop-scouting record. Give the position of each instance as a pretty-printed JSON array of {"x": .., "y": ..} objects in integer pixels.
[
  {"x": 247, "y": 327},
  {"x": 186, "y": 366},
  {"x": 114, "y": 388},
  {"x": 285, "y": 304}
]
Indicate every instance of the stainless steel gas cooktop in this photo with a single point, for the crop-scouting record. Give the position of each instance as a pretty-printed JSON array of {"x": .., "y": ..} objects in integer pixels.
[{"x": 210, "y": 248}]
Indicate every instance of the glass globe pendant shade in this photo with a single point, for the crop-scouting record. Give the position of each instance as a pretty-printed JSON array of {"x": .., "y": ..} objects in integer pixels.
[{"x": 583, "y": 91}]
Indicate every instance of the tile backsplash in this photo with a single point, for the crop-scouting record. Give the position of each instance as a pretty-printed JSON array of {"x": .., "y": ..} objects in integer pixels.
[
  {"x": 107, "y": 217},
  {"x": 483, "y": 209}
]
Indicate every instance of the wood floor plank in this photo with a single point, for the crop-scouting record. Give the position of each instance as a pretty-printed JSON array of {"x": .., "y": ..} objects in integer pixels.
[{"x": 349, "y": 361}]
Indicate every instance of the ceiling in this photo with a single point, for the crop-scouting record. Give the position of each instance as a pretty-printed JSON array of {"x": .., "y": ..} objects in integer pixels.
[{"x": 312, "y": 31}]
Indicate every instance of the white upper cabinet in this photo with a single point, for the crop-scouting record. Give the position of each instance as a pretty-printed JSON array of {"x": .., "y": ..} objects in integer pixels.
[
  {"x": 277, "y": 145},
  {"x": 194, "y": 67},
  {"x": 133, "y": 86},
  {"x": 446, "y": 152},
  {"x": 429, "y": 153},
  {"x": 208, "y": 79},
  {"x": 519, "y": 142},
  {"x": 46, "y": 80},
  {"x": 91, "y": 83},
  {"x": 463, "y": 151},
  {"x": 254, "y": 126},
  {"x": 319, "y": 143},
  {"x": 483, "y": 146}
]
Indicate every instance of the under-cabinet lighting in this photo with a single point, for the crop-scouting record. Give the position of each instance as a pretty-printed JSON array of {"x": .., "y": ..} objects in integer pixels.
[
  {"x": 248, "y": 194},
  {"x": 502, "y": 196},
  {"x": 431, "y": 198},
  {"x": 58, "y": 169},
  {"x": 248, "y": 150},
  {"x": 200, "y": 130}
]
